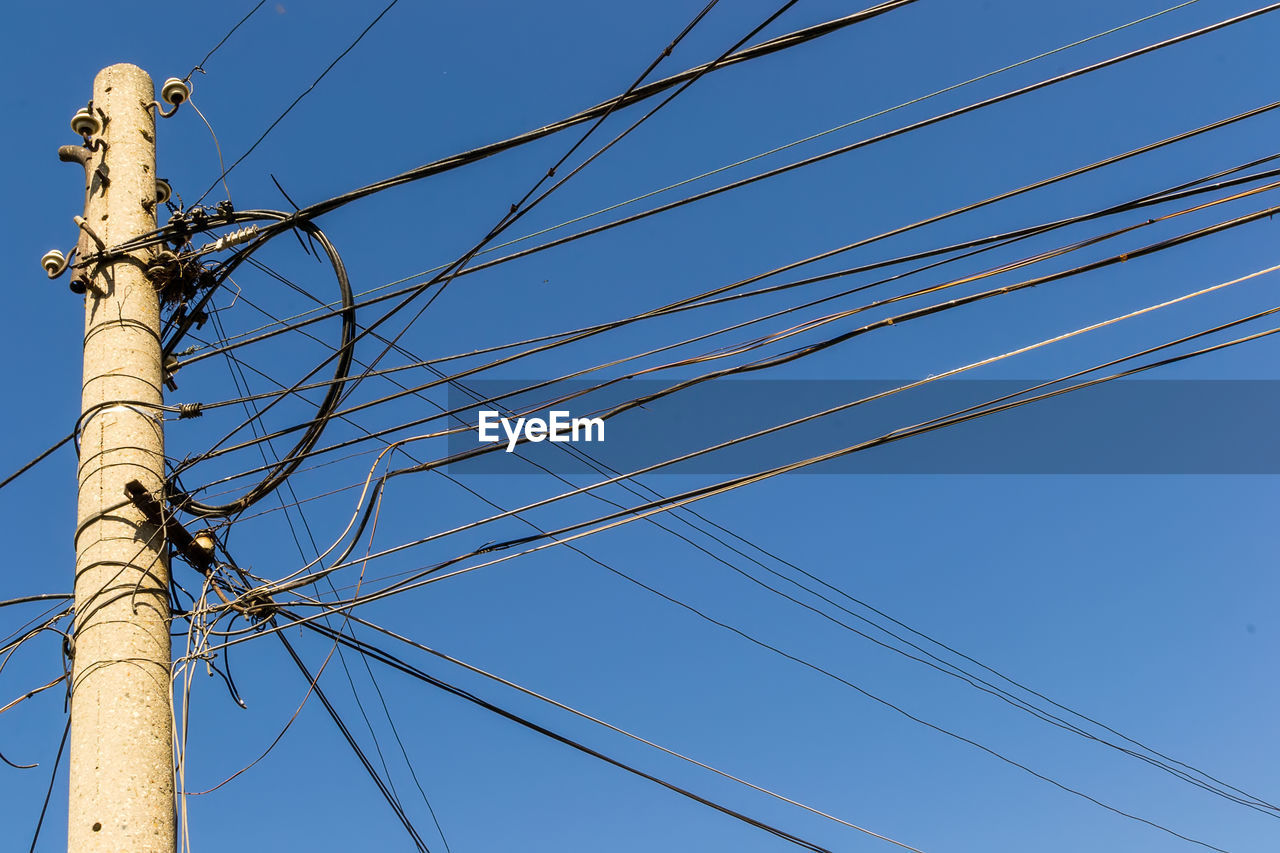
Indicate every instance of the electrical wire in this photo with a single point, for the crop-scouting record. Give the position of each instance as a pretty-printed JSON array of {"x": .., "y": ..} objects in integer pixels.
[
  {"x": 27, "y": 599},
  {"x": 53, "y": 777},
  {"x": 765, "y": 48},
  {"x": 641, "y": 511},
  {"x": 517, "y": 210},
  {"x": 984, "y": 244},
  {"x": 635, "y": 95},
  {"x": 814, "y": 348},
  {"x": 391, "y": 660},
  {"x": 294, "y": 103},
  {"x": 1176, "y": 358},
  {"x": 37, "y": 460},
  {"x": 343, "y": 355},
  {"x": 881, "y": 137},
  {"x": 355, "y": 747},
  {"x": 199, "y": 66},
  {"x": 529, "y": 202},
  {"x": 894, "y": 232},
  {"x": 810, "y": 138}
]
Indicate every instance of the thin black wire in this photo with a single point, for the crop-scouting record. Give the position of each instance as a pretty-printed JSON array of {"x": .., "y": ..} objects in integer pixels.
[
  {"x": 983, "y": 244},
  {"x": 34, "y": 462},
  {"x": 304, "y": 93},
  {"x": 637, "y": 94},
  {"x": 239, "y": 366},
  {"x": 515, "y": 213},
  {"x": 964, "y": 675},
  {"x": 391, "y": 660},
  {"x": 1004, "y": 196},
  {"x": 199, "y": 66},
  {"x": 48, "y": 794},
  {"x": 351, "y": 741},
  {"x": 675, "y": 501},
  {"x": 848, "y": 596},
  {"x": 529, "y": 202},
  {"x": 27, "y": 599}
]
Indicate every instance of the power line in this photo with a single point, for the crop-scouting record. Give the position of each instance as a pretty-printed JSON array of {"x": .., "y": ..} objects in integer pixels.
[
  {"x": 296, "y": 100},
  {"x": 355, "y": 747},
  {"x": 199, "y": 66},
  {"x": 976, "y": 411},
  {"x": 980, "y": 245},
  {"x": 637, "y": 94},
  {"x": 1145, "y": 201},
  {"x": 517, "y": 210},
  {"x": 804, "y": 351},
  {"x": 391, "y": 660},
  {"x": 765, "y": 48},
  {"x": 53, "y": 777},
  {"x": 863, "y": 242},
  {"x": 881, "y": 137},
  {"x": 989, "y": 688},
  {"x": 810, "y": 138},
  {"x": 38, "y": 459},
  {"x": 612, "y": 520}
]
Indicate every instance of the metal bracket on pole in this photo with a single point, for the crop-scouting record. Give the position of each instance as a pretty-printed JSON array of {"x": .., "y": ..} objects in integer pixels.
[{"x": 198, "y": 549}]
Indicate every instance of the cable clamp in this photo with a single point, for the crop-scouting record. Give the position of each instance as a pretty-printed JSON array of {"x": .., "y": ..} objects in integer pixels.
[{"x": 233, "y": 238}]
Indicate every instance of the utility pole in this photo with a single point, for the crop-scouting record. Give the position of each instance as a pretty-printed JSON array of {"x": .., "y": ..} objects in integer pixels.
[{"x": 121, "y": 777}]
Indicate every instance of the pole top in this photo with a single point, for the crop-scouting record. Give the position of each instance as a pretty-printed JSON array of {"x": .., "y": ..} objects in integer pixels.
[{"x": 124, "y": 73}]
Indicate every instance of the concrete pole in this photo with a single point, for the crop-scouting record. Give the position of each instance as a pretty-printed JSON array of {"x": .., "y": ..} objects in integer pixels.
[{"x": 121, "y": 777}]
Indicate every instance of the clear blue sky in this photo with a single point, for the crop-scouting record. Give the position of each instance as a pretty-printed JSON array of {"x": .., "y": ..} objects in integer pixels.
[{"x": 1146, "y": 602}]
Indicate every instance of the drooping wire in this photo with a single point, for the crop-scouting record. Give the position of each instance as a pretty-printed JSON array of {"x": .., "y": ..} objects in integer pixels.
[
  {"x": 518, "y": 210},
  {"x": 296, "y": 322},
  {"x": 37, "y": 460},
  {"x": 808, "y": 350},
  {"x": 355, "y": 747},
  {"x": 844, "y": 126},
  {"x": 53, "y": 778},
  {"x": 239, "y": 367},
  {"x": 983, "y": 244},
  {"x": 294, "y": 103},
  {"x": 199, "y": 66},
  {"x": 765, "y": 48},
  {"x": 391, "y": 660}
]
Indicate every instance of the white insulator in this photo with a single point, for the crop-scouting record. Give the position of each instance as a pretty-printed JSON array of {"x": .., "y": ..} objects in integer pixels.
[
  {"x": 54, "y": 262},
  {"x": 85, "y": 123},
  {"x": 174, "y": 91}
]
